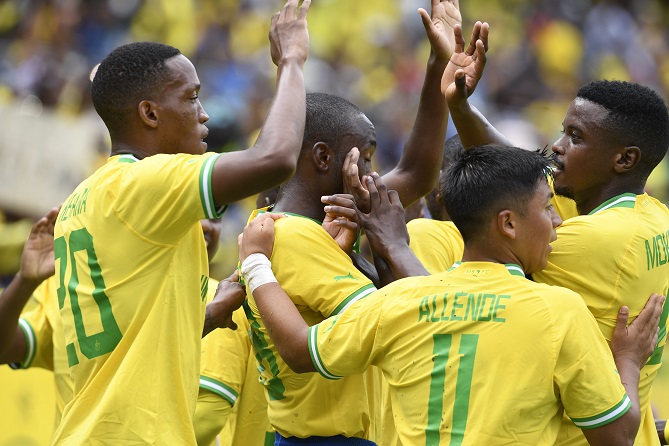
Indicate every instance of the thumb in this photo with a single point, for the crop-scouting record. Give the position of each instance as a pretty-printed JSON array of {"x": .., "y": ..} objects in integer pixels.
[
  {"x": 623, "y": 315},
  {"x": 427, "y": 21},
  {"x": 461, "y": 82}
]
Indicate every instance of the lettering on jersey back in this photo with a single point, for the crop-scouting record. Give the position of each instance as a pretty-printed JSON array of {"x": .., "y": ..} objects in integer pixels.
[
  {"x": 74, "y": 206},
  {"x": 657, "y": 250},
  {"x": 463, "y": 306}
]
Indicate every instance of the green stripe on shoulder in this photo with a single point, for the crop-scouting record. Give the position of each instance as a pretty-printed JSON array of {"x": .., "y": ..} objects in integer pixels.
[
  {"x": 219, "y": 388},
  {"x": 361, "y": 293},
  {"x": 31, "y": 346},
  {"x": 606, "y": 417},
  {"x": 312, "y": 342},
  {"x": 206, "y": 193}
]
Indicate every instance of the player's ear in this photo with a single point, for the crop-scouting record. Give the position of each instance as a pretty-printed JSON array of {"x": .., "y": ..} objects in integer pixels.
[
  {"x": 148, "y": 113},
  {"x": 322, "y": 156},
  {"x": 627, "y": 159},
  {"x": 506, "y": 223}
]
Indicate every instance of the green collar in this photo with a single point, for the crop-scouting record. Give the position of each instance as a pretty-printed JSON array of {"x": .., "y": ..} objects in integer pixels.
[{"x": 626, "y": 200}]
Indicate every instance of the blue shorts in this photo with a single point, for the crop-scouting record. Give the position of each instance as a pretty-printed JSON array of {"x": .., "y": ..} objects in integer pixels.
[{"x": 321, "y": 441}]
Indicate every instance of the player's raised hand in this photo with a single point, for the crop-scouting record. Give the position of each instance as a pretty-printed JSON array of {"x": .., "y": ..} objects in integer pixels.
[
  {"x": 288, "y": 34},
  {"x": 352, "y": 184},
  {"x": 637, "y": 341},
  {"x": 439, "y": 25},
  {"x": 465, "y": 68},
  {"x": 37, "y": 261}
]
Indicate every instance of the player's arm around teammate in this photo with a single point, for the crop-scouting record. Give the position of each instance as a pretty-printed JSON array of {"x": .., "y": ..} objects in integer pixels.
[{"x": 37, "y": 264}]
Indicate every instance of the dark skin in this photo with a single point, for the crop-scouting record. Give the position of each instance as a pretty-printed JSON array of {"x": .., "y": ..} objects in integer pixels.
[
  {"x": 661, "y": 425},
  {"x": 585, "y": 140},
  {"x": 173, "y": 120},
  {"x": 319, "y": 167}
]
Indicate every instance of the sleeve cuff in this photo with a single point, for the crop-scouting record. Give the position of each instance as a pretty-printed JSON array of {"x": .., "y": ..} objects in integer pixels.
[
  {"x": 219, "y": 388},
  {"x": 605, "y": 418},
  {"x": 206, "y": 193},
  {"x": 316, "y": 357},
  {"x": 31, "y": 346}
]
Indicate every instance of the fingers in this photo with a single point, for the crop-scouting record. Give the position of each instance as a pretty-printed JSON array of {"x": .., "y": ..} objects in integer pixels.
[
  {"x": 621, "y": 320},
  {"x": 427, "y": 20},
  {"x": 302, "y": 14},
  {"x": 345, "y": 200},
  {"x": 289, "y": 9},
  {"x": 394, "y": 198},
  {"x": 481, "y": 57},
  {"x": 483, "y": 35},
  {"x": 341, "y": 211},
  {"x": 459, "y": 40},
  {"x": 476, "y": 31},
  {"x": 456, "y": 3},
  {"x": 234, "y": 277},
  {"x": 381, "y": 187},
  {"x": 461, "y": 83}
]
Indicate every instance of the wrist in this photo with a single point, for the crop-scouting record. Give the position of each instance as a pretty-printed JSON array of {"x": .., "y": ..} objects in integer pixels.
[
  {"x": 290, "y": 60},
  {"x": 26, "y": 283},
  {"x": 256, "y": 270}
]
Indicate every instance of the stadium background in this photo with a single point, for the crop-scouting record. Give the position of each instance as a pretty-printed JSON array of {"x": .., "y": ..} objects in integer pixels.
[{"x": 371, "y": 52}]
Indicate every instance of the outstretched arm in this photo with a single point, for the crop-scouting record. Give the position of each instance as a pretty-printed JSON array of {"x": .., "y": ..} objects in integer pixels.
[
  {"x": 418, "y": 169},
  {"x": 37, "y": 264},
  {"x": 283, "y": 321},
  {"x": 273, "y": 158},
  {"x": 631, "y": 347},
  {"x": 460, "y": 79}
]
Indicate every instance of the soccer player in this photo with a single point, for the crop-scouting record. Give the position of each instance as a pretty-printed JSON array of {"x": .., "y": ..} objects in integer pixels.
[
  {"x": 452, "y": 343},
  {"x": 317, "y": 273},
  {"x": 36, "y": 339},
  {"x": 131, "y": 265},
  {"x": 230, "y": 397},
  {"x": 614, "y": 134}
]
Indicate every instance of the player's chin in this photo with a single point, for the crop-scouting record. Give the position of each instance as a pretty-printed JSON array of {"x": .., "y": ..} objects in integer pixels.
[{"x": 203, "y": 147}]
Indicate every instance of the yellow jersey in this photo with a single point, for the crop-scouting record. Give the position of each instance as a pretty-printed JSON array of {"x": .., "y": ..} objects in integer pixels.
[
  {"x": 132, "y": 276},
  {"x": 321, "y": 281},
  {"x": 451, "y": 343},
  {"x": 231, "y": 400},
  {"x": 616, "y": 255},
  {"x": 437, "y": 244}
]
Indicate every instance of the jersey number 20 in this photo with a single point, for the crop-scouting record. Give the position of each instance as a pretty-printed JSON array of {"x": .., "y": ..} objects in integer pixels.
[{"x": 96, "y": 344}]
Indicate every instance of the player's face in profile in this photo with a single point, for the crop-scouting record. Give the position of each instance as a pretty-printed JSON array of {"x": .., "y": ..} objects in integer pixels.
[
  {"x": 211, "y": 228},
  {"x": 180, "y": 114},
  {"x": 363, "y": 136},
  {"x": 536, "y": 230},
  {"x": 581, "y": 154}
]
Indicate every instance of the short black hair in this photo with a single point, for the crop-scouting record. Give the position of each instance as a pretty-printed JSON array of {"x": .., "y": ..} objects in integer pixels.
[
  {"x": 328, "y": 119},
  {"x": 125, "y": 77},
  {"x": 487, "y": 179},
  {"x": 637, "y": 116}
]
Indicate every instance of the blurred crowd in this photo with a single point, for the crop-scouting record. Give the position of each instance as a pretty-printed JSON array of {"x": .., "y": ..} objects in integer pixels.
[{"x": 372, "y": 52}]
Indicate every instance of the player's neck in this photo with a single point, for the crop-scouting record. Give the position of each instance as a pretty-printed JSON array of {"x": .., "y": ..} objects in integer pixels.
[
  {"x": 588, "y": 202},
  {"x": 122, "y": 148},
  {"x": 489, "y": 251},
  {"x": 297, "y": 199}
]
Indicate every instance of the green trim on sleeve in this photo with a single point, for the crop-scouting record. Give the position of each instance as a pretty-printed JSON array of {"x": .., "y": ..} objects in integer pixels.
[
  {"x": 605, "y": 418},
  {"x": 127, "y": 158},
  {"x": 354, "y": 297},
  {"x": 31, "y": 346},
  {"x": 206, "y": 194},
  {"x": 219, "y": 388},
  {"x": 315, "y": 356}
]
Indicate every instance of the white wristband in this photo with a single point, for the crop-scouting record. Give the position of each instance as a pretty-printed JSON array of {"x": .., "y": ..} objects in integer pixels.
[{"x": 256, "y": 270}]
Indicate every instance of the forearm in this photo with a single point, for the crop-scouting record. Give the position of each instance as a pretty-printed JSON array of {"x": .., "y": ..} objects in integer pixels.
[
  {"x": 629, "y": 376},
  {"x": 402, "y": 262},
  {"x": 384, "y": 271},
  {"x": 12, "y": 301},
  {"x": 365, "y": 266},
  {"x": 418, "y": 169},
  {"x": 474, "y": 129},
  {"x": 285, "y": 326},
  {"x": 283, "y": 129}
]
